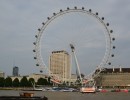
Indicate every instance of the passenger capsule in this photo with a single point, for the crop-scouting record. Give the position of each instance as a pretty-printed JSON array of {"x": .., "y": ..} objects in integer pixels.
[
  {"x": 43, "y": 23},
  {"x": 41, "y": 71},
  {"x": 96, "y": 13},
  {"x": 107, "y": 24},
  {"x": 113, "y": 39},
  {"x": 34, "y": 50},
  {"x": 111, "y": 31},
  {"x": 39, "y": 29},
  {"x": 36, "y": 36},
  {"x": 54, "y": 14},
  {"x": 37, "y": 64},
  {"x": 34, "y": 43},
  {"x": 60, "y": 10},
  {"x": 90, "y": 10},
  {"x": 48, "y": 18},
  {"x": 112, "y": 55},
  {"x": 114, "y": 47},
  {"x": 75, "y": 7},
  {"x": 35, "y": 57},
  {"x": 109, "y": 63},
  {"x": 82, "y": 8},
  {"x": 102, "y": 18}
]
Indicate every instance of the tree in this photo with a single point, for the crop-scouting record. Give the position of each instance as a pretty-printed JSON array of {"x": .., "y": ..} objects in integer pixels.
[
  {"x": 2, "y": 82},
  {"x": 8, "y": 82},
  {"x": 24, "y": 82},
  {"x": 31, "y": 81},
  {"x": 49, "y": 81},
  {"x": 16, "y": 82},
  {"x": 42, "y": 81}
]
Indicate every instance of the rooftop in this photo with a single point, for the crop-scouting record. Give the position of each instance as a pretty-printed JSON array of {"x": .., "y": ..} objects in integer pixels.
[{"x": 116, "y": 70}]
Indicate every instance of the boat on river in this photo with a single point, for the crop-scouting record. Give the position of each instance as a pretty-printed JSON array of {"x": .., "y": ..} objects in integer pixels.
[{"x": 88, "y": 89}]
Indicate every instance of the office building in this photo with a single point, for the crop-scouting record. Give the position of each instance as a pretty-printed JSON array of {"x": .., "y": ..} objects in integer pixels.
[
  {"x": 2, "y": 74},
  {"x": 114, "y": 77},
  {"x": 59, "y": 65},
  {"x": 15, "y": 71}
]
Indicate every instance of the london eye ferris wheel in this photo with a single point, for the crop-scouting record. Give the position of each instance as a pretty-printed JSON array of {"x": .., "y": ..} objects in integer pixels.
[{"x": 87, "y": 34}]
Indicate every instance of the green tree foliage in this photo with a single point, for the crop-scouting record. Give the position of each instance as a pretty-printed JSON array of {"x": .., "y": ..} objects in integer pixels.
[
  {"x": 42, "y": 81},
  {"x": 16, "y": 82},
  {"x": 2, "y": 82},
  {"x": 8, "y": 82},
  {"x": 49, "y": 81},
  {"x": 31, "y": 81},
  {"x": 24, "y": 82}
]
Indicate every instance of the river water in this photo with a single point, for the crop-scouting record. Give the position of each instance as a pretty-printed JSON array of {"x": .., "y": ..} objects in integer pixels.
[{"x": 72, "y": 95}]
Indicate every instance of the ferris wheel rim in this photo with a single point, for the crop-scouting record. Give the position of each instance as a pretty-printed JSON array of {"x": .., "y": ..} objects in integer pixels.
[{"x": 105, "y": 60}]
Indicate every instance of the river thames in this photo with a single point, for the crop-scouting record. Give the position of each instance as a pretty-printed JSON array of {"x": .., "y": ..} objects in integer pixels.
[{"x": 71, "y": 95}]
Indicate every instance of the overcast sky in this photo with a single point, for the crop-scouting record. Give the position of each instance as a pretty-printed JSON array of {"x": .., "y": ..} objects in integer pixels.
[{"x": 20, "y": 19}]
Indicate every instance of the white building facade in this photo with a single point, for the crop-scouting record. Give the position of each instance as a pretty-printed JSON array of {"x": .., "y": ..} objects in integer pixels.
[
  {"x": 2, "y": 74},
  {"x": 59, "y": 65}
]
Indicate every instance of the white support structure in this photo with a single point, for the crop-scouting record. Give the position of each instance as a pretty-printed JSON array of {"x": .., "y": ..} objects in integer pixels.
[{"x": 77, "y": 64}]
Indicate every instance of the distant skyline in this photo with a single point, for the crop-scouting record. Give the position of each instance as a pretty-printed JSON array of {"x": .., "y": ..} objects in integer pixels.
[{"x": 20, "y": 19}]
